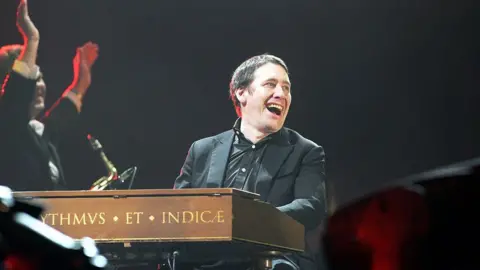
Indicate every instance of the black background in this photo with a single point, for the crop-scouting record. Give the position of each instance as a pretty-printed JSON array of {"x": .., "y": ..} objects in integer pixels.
[{"x": 389, "y": 88}]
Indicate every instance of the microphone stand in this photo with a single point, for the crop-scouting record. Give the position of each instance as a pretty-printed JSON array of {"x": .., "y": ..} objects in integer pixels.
[{"x": 106, "y": 182}]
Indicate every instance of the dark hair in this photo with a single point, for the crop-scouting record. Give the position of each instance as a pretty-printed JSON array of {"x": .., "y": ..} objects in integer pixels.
[{"x": 244, "y": 75}]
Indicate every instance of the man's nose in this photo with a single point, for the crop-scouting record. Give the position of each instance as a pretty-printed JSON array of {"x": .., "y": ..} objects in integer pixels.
[{"x": 279, "y": 92}]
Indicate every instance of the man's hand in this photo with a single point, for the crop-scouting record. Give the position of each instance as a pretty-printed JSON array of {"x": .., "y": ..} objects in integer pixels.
[
  {"x": 30, "y": 34},
  {"x": 24, "y": 23},
  {"x": 82, "y": 65}
]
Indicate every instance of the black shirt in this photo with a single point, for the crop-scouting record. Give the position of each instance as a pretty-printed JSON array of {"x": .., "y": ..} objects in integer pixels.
[{"x": 245, "y": 160}]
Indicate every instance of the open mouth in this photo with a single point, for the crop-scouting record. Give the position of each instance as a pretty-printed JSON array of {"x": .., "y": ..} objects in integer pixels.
[{"x": 275, "y": 109}]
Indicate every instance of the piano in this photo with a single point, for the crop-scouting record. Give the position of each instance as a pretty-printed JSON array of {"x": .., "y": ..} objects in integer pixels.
[{"x": 195, "y": 225}]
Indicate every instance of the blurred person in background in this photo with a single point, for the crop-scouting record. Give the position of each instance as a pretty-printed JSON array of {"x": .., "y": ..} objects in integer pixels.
[{"x": 29, "y": 136}]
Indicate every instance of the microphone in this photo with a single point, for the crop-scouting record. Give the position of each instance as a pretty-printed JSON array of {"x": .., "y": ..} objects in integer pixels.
[{"x": 104, "y": 181}]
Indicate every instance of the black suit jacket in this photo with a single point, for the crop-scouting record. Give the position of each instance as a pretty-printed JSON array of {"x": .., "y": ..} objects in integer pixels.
[
  {"x": 292, "y": 177},
  {"x": 24, "y": 155}
]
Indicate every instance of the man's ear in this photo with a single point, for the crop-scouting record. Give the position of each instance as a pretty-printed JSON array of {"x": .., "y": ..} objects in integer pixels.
[{"x": 240, "y": 95}]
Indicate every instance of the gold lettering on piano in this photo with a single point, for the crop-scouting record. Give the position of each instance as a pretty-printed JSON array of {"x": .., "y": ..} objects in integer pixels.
[
  {"x": 70, "y": 219},
  {"x": 174, "y": 217},
  {"x": 130, "y": 217},
  {"x": 79, "y": 219},
  {"x": 186, "y": 217},
  {"x": 64, "y": 219},
  {"x": 220, "y": 218},
  {"x": 201, "y": 216}
]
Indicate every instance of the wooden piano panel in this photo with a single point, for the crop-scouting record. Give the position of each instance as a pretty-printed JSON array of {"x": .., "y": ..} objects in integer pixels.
[
  {"x": 139, "y": 218},
  {"x": 171, "y": 216}
]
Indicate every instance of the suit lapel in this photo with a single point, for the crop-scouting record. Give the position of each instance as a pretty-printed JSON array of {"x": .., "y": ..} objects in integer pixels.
[
  {"x": 275, "y": 156},
  {"x": 41, "y": 147},
  {"x": 219, "y": 159},
  {"x": 56, "y": 161},
  {"x": 48, "y": 153}
]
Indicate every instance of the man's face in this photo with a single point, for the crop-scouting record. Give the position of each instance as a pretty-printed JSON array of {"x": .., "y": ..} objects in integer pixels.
[
  {"x": 266, "y": 102},
  {"x": 38, "y": 102}
]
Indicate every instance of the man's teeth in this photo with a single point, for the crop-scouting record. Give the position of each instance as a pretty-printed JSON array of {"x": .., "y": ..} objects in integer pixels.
[{"x": 275, "y": 106}]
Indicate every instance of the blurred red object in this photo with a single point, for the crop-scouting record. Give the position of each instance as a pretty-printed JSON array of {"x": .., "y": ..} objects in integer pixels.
[
  {"x": 382, "y": 232},
  {"x": 20, "y": 262}
]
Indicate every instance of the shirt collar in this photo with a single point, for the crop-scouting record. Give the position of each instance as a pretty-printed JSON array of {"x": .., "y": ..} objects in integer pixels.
[
  {"x": 279, "y": 136},
  {"x": 37, "y": 126}
]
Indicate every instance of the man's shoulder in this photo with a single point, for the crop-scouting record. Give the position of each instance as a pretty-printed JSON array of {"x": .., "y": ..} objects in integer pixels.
[
  {"x": 296, "y": 138},
  {"x": 210, "y": 140}
]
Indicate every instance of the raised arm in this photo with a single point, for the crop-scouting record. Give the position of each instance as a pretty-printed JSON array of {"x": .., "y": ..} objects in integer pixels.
[
  {"x": 62, "y": 115},
  {"x": 31, "y": 37},
  {"x": 83, "y": 61},
  {"x": 19, "y": 71}
]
